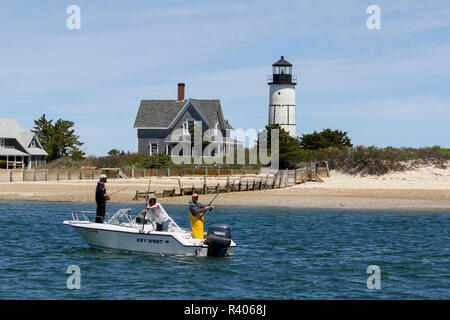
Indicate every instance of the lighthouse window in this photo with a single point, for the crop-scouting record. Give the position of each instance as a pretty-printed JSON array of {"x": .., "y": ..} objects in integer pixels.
[
  {"x": 276, "y": 70},
  {"x": 282, "y": 70}
]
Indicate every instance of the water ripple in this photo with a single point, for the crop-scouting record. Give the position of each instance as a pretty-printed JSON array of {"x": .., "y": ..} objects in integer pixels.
[{"x": 281, "y": 254}]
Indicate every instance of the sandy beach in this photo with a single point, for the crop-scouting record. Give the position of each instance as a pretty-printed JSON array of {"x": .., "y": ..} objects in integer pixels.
[{"x": 426, "y": 188}]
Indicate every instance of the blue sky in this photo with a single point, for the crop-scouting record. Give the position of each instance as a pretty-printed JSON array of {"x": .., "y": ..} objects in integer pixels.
[{"x": 386, "y": 87}]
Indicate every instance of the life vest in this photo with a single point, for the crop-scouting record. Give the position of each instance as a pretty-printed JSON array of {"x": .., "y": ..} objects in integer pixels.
[{"x": 197, "y": 222}]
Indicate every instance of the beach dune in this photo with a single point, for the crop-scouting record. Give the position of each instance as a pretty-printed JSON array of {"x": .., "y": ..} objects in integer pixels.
[{"x": 424, "y": 188}]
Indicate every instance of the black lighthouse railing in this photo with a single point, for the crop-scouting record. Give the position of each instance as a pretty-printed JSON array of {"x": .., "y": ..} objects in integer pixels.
[{"x": 282, "y": 79}]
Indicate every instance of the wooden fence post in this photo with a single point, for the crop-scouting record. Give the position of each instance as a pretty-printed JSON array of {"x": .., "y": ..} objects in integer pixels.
[
  {"x": 205, "y": 189},
  {"x": 328, "y": 169}
]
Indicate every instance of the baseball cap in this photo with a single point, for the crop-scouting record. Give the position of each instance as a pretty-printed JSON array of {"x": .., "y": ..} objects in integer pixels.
[{"x": 194, "y": 195}]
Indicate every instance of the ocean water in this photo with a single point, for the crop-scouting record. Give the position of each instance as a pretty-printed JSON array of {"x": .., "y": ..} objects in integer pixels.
[{"x": 281, "y": 254}]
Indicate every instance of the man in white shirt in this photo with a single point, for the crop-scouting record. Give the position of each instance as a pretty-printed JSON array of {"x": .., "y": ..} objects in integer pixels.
[{"x": 161, "y": 217}]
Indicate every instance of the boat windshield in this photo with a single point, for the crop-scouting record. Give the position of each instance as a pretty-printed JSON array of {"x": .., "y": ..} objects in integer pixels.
[{"x": 120, "y": 217}]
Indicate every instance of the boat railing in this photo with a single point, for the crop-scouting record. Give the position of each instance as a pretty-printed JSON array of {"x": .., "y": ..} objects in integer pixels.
[{"x": 120, "y": 217}]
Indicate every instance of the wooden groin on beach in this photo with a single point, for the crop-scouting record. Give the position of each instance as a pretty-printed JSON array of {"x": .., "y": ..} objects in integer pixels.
[{"x": 282, "y": 179}]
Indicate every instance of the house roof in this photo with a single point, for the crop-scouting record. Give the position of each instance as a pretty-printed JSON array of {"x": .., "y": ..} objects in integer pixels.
[
  {"x": 163, "y": 113},
  {"x": 11, "y": 129},
  {"x": 12, "y": 152},
  {"x": 157, "y": 113},
  {"x": 37, "y": 152},
  {"x": 212, "y": 111}
]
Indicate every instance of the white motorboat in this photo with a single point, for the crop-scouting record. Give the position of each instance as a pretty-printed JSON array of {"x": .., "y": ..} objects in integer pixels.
[{"x": 123, "y": 232}]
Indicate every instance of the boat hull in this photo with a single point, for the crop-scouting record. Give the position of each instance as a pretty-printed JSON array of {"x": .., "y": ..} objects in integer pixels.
[{"x": 106, "y": 237}]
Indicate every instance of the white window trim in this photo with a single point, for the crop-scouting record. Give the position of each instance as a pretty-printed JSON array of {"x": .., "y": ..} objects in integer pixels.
[
  {"x": 150, "y": 149},
  {"x": 186, "y": 125}
]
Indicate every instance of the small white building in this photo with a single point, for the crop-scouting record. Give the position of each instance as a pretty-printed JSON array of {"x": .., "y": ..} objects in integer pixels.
[
  {"x": 282, "y": 96},
  {"x": 19, "y": 148}
]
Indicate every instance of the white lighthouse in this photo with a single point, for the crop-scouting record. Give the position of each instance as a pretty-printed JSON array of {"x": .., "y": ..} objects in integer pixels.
[{"x": 282, "y": 96}]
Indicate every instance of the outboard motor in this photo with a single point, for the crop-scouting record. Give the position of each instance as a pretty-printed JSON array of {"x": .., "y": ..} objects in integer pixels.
[{"x": 218, "y": 239}]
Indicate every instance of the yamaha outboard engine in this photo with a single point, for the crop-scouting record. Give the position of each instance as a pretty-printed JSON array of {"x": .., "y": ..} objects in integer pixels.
[{"x": 218, "y": 239}]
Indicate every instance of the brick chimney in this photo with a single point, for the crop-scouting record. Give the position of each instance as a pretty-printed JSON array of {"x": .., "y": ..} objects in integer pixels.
[{"x": 181, "y": 91}]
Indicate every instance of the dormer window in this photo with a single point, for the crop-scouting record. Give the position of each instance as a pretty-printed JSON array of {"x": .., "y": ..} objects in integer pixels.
[{"x": 32, "y": 143}]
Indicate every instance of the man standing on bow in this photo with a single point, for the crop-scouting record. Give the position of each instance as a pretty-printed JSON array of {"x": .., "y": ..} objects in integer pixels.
[
  {"x": 196, "y": 213},
  {"x": 101, "y": 197}
]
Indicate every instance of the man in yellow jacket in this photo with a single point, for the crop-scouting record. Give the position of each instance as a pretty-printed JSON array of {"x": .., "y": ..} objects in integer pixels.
[{"x": 196, "y": 213}]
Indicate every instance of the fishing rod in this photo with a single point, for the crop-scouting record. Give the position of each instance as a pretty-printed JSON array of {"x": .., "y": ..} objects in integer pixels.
[
  {"x": 119, "y": 190},
  {"x": 214, "y": 199},
  {"x": 210, "y": 204}
]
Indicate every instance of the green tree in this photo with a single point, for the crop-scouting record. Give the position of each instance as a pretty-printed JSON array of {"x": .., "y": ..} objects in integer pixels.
[
  {"x": 158, "y": 161},
  {"x": 288, "y": 146},
  {"x": 114, "y": 152},
  {"x": 43, "y": 130},
  {"x": 58, "y": 139},
  {"x": 325, "y": 139}
]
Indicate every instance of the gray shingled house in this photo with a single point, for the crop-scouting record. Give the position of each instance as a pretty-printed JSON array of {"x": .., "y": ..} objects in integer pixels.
[
  {"x": 19, "y": 148},
  {"x": 157, "y": 120}
]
